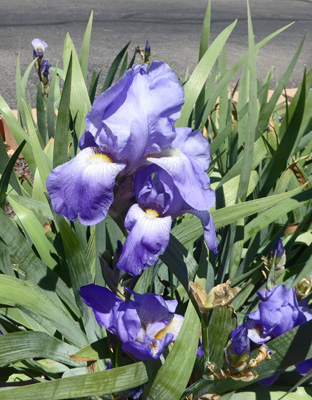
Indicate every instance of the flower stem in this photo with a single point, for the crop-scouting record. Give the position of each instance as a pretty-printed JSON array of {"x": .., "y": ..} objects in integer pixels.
[
  {"x": 205, "y": 339},
  {"x": 118, "y": 354}
]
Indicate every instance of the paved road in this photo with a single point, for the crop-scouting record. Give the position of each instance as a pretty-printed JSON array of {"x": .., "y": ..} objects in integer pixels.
[{"x": 173, "y": 28}]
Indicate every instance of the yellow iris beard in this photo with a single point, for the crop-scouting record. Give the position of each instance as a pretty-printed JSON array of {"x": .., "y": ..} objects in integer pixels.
[
  {"x": 151, "y": 213},
  {"x": 152, "y": 346},
  {"x": 99, "y": 157}
]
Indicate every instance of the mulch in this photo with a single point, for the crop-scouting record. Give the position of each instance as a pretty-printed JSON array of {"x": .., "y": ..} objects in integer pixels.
[{"x": 21, "y": 169}]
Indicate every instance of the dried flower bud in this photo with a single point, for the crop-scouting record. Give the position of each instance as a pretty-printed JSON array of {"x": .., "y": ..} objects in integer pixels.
[
  {"x": 303, "y": 288},
  {"x": 220, "y": 296}
]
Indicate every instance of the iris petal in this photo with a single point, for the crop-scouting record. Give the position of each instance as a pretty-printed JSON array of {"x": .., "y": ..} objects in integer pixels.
[
  {"x": 136, "y": 115},
  {"x": 148, "y": 238},
  {"x": 147, "y": 350},
  {"x": 127, "y": 321},
  {"x": 151, "y": 307},
  {"x": 193, "y": 144},
  {"x": 102, "y": 301},
  {"x": 210, "y": 235},
  {"x": 188, "y": 176},
  {"x": 83, "y": 187},
  {"x": 173, "y": 328}
]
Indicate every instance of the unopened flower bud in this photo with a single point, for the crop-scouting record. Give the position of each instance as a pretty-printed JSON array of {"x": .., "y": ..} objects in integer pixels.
[{"x": 237, "y": 350}]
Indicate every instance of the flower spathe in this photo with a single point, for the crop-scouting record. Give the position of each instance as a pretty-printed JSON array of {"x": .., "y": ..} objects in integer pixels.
[
  {"x": 134, "y": 118},
  {"x": 145, "y": 326}
]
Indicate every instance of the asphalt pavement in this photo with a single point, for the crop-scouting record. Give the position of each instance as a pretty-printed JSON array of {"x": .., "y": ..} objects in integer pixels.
[{"x": 173, "y": 29}]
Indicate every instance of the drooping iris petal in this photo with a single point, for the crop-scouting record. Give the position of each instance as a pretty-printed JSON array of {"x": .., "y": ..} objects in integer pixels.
[
  {"x": 188, "y": 176},
  {"x": 118, "y": 317},
  {"x": 127, "y": 321},
  {"x": 136, "y": 115},
  {"x": 210, "y": 235},
  {"x": 193, "y": 144},
  {"x": 83, "y": 187},
  {"x": 148, "y": 238},
  {"x": 102, "y": 301}
]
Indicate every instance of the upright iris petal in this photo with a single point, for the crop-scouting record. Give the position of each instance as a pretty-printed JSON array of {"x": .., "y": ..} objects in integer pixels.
[
  {"x": 136, "y": 115},
  {"x": 133, "y": 118},
  {"x": 145, "y": 326},
  {"x": 187, "y": 161}
]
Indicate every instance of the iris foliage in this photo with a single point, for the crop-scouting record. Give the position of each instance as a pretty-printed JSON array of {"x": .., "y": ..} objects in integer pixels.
[{"x": 53, "y": 346}]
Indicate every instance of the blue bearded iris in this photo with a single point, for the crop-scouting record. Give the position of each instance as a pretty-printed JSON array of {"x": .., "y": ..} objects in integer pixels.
[
  {"x": 145, "y": 326},
  {"x": 161, "y": 198},
  {"x": 278, "y": 312},
  {"x": 133, "y": 119}
]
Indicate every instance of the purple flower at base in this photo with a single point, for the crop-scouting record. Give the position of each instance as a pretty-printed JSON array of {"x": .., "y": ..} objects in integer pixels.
[
  {"x": 134, "y": 118},
  {"x": 240, "y": 341},
  {"x": 44, "y": 67},
  {"x": 39, "y": 47},
  {"x": 237, "y": 350},
  {"x": 278, "y": 313},
  {"x": 149, "y": 221},
  {"x": 305, "y": 366},
  {"x": 200, "y": 350},
  {"x": 135, "y": 393},
  {"x": 145, "y": 326},
  {"x": 268, "y": 381}
]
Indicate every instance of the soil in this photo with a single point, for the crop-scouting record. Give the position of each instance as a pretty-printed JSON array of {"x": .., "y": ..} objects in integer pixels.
[{"x": 22, "y": 170}]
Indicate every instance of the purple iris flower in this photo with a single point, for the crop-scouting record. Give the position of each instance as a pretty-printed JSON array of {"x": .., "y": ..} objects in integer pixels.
[
  {"x": 39, "y": 47},
  {"x": 145, "y": 326},
  {"x": 149, "y": 221},
  {"x": 278, "y": 312},
  {"x": 132, "y": 120},
  {"x": 304, "y": 367},
  {"x": 44, "y": 66}
]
